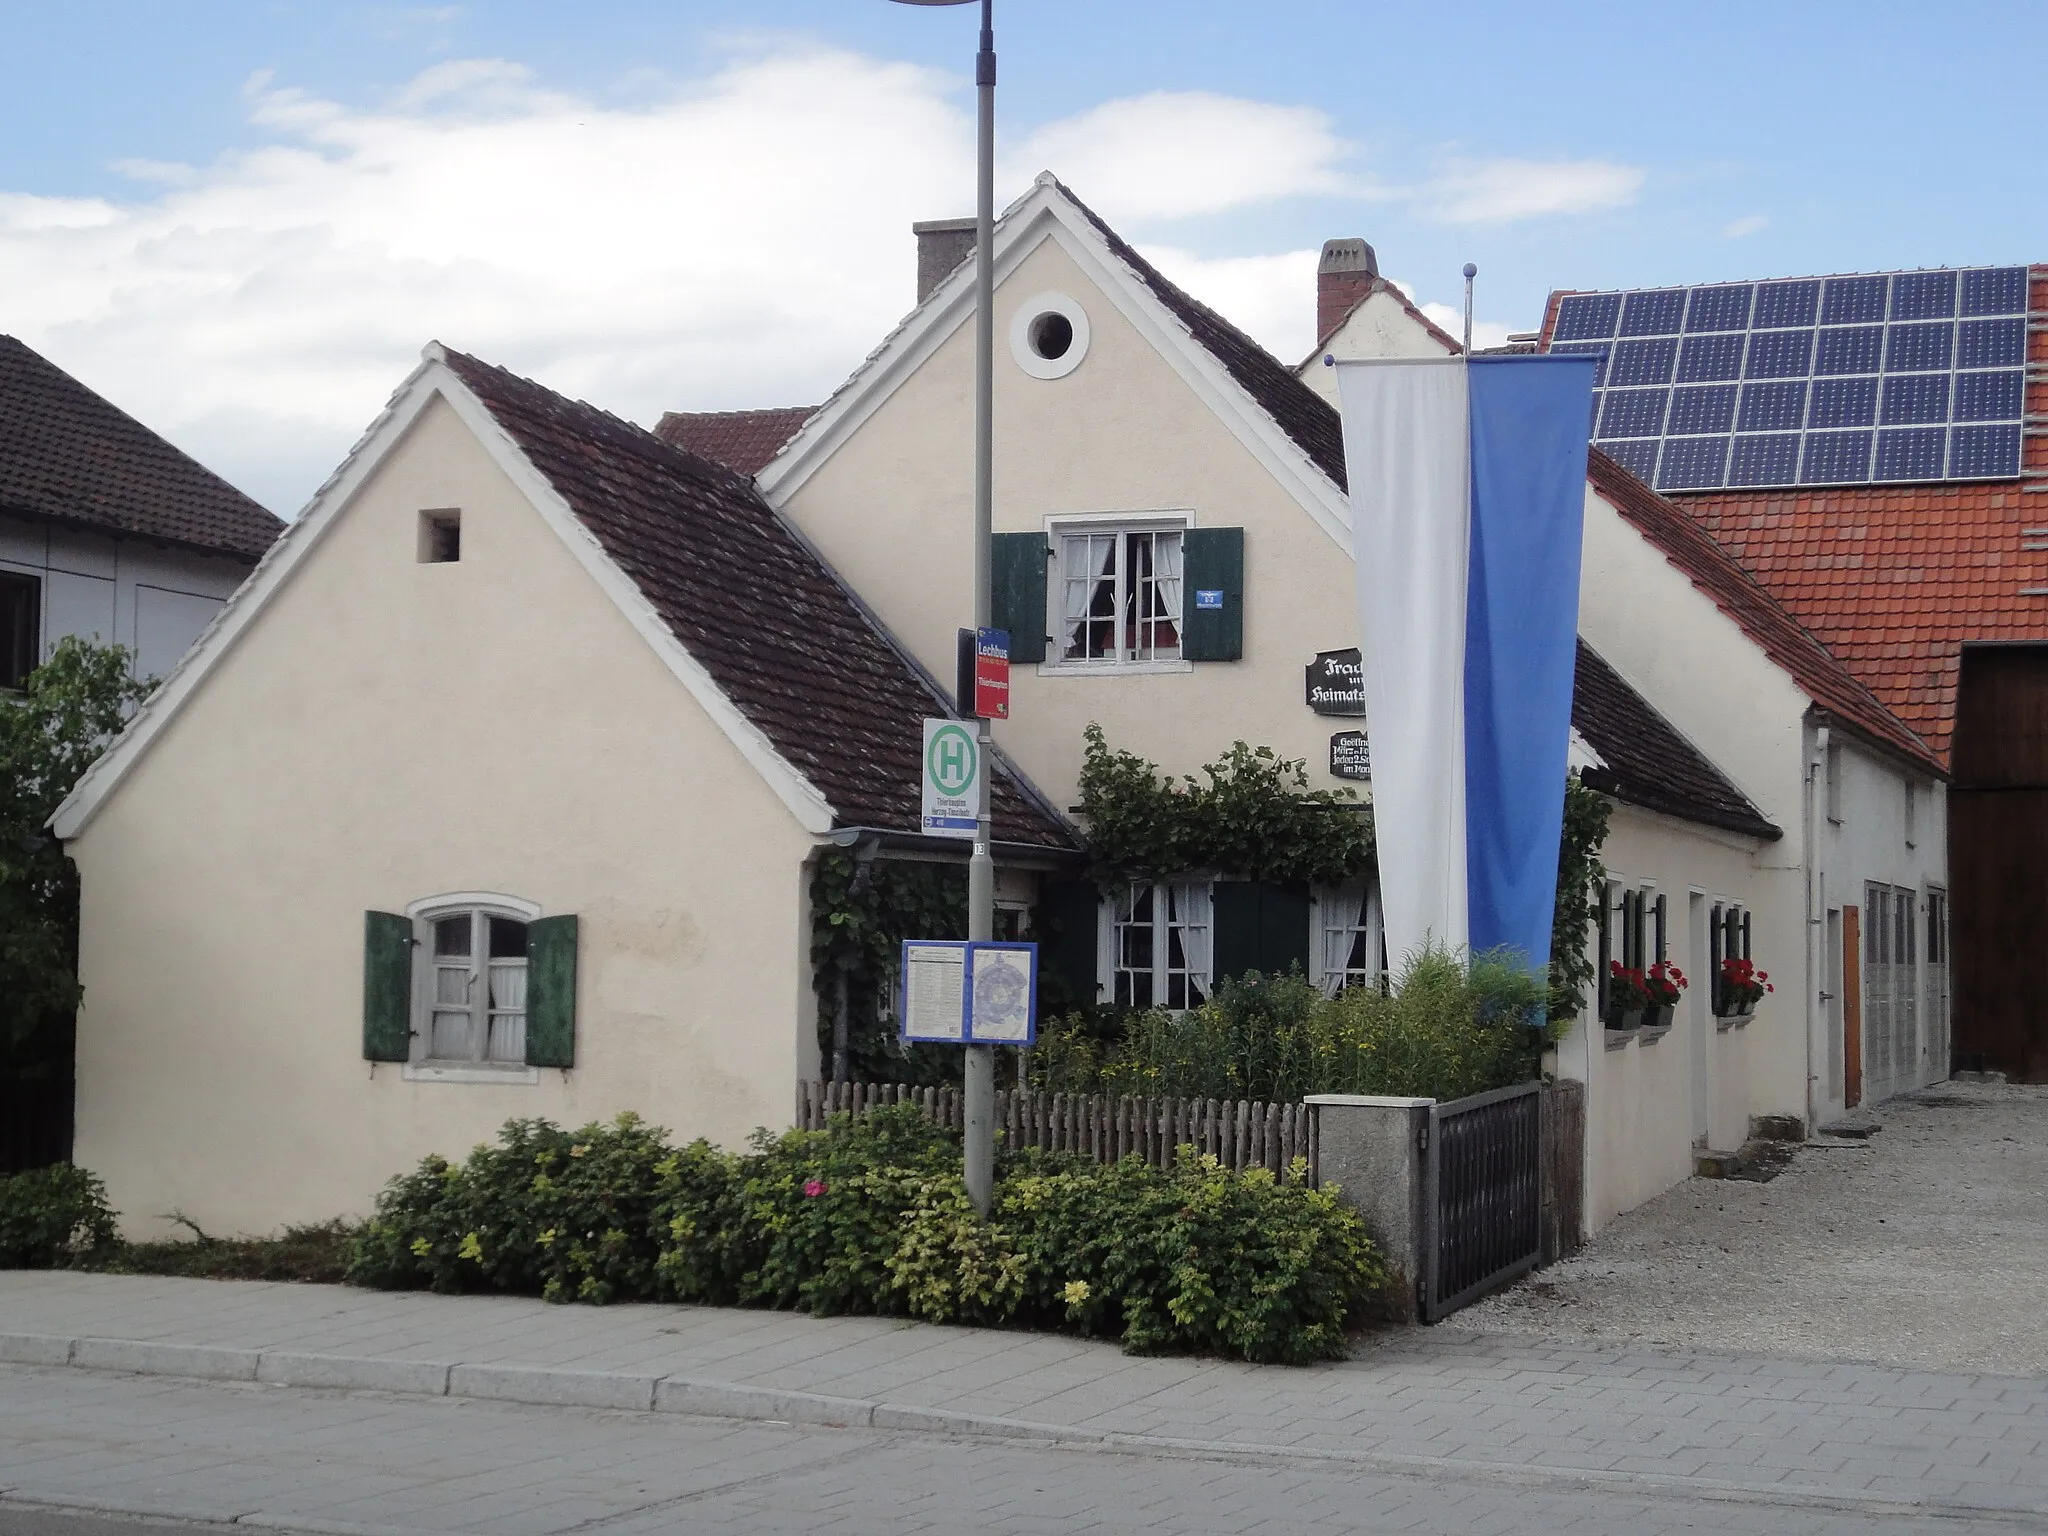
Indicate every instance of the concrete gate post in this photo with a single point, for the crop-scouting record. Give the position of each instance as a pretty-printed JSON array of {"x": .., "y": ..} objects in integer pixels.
[{"x": 1375, "y": 1151}]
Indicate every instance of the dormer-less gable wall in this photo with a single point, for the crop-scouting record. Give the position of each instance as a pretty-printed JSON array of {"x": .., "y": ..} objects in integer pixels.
[
  {"x": 1124, "y": 435},
  {"x": 1381, "y": 326}
]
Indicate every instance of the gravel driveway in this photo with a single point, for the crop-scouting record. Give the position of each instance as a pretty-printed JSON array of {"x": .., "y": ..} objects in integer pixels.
[{"x": 1926, "y": 1245}]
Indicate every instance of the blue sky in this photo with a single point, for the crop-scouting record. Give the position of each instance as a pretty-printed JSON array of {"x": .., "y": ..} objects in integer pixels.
[{"x": 240, "y": 220}]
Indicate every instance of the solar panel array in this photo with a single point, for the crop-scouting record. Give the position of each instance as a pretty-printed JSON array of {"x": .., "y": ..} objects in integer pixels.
[{"x": 1863, "y": 379}]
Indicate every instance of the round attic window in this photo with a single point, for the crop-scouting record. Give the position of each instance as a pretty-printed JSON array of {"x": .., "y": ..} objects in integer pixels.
[{"x": 1049, "y": 336}]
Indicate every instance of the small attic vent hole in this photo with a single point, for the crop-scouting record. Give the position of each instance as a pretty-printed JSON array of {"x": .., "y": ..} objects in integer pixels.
[
  {"x": 1052, "y": 334},
  {"x": 440, "y": 536}
]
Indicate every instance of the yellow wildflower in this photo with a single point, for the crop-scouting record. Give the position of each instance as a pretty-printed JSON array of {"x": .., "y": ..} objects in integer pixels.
[
  {"x": 1075, "y": 1293},
  {"x": 471, "y": 1248},
  {"x": 421, "y": 1247}
]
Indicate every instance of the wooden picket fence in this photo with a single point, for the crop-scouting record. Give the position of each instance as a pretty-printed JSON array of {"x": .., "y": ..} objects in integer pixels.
[{"x": 1237, "y": 1132}]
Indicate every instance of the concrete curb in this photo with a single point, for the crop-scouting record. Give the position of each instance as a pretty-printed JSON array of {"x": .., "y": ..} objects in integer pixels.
[{"x": 543, "y": 1386}]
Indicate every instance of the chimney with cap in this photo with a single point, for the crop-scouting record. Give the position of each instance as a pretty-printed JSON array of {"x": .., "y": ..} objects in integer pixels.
[
  {"x": 1343, "y": 277},
  {"x": 942, "y": 244}
]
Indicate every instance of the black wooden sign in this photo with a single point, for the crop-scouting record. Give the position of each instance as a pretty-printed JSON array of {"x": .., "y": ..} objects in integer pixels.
[
  {"x": 1336, "y": 683},
  {"x": 1349, "y": 757}
]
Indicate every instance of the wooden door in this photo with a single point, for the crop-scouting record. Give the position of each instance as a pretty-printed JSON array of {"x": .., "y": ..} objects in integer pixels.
[
  {"x": 1852, "y": 1007},
  {"x": 1998, "y": 860}
]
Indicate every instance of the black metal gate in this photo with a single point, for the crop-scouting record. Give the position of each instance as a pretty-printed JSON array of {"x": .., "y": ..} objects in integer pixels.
[{"x": 1484, "y": 1197}]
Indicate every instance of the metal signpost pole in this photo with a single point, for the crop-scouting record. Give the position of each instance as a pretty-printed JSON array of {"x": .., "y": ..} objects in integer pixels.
[{"x": 980, "y": 1094}]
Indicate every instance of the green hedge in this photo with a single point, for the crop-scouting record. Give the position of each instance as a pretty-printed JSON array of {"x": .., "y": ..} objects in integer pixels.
[
  {"x": 50, "y": 1215},
  {"x": 871, "y": 1216}
]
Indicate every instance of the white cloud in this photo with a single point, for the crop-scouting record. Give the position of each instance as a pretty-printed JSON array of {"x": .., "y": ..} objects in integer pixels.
[
  {"x": 1169, "y": 154},
  {"x": 741, "y": 242},
  {"x": 1272, "y": 299},
  {"x": 1501, "y": 191},
  {"x": 1748, "y": 224}
]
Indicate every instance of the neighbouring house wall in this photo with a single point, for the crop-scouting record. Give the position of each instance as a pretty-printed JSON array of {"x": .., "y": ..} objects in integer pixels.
[
  {"x": 1712, "y": 682},
  {"x": 1650, "y": 1099},
  {"x": 1862, "y": 837},
  {"x": 152, "y": 598},
  {"x": 387, "y": 731},
  {"x": 1124, "y": 432},
  {"x": 1380, "y": 327}
]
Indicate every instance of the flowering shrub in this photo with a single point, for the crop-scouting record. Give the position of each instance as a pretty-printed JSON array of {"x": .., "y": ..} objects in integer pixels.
[
  {"x": 1663, "y": 984},
  {"x": 1742, "y": 985},
  {"x": 871, "y": 1216}
]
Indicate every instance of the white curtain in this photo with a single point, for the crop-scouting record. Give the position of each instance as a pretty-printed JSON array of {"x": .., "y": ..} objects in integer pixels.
[
  {"x": 1343, "y": 908},
  {"x": 1193, "y": 912},
  {"x": 1166, "y": 568},
  {"x": 508, "y": 1011},
  {"x": 1090, "y": 563}
]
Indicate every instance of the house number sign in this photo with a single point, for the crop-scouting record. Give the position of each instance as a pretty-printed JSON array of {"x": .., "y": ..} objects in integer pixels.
[{"x": 1336, "y": 683}]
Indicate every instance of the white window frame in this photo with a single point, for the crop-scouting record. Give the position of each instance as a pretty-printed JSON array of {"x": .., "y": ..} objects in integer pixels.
[
  {"x": 1199, "y": 977},
  {"x": 424, "y": 914},
  {"x": 1058, "y": 531},
  {"x": 1326, "y": 934}
]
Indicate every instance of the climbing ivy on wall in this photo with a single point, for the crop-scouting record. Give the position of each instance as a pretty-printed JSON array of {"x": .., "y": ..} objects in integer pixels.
[
  {"x": 861, "y": 912},
  {"x": 1581, "y": 886},
  {"x": 1251, "y": 815}
]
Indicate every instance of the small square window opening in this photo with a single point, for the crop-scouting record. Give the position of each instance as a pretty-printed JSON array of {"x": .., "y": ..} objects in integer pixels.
[{"x": 440, "y": 537}]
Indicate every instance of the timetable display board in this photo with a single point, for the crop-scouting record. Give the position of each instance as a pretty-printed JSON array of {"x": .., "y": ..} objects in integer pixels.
[{"x": 1866, "y": 378}]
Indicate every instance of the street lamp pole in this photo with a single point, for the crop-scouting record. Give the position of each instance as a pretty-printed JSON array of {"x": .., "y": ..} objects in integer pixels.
[{"x": 979, "y": 1145}]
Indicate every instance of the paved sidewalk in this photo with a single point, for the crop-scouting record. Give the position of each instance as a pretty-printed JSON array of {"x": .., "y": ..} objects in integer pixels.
[{"x": 1522, "y": 1408}]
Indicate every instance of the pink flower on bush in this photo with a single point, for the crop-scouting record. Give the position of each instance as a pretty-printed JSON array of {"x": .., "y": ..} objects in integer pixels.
[{"x": 813, "y": 1188}]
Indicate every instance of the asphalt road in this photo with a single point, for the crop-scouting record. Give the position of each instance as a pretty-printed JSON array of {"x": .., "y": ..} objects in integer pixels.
[{"x": 91, "y": 1454}]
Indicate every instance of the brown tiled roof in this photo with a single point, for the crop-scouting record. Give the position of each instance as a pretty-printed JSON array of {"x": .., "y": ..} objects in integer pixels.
[
  {"x": 1305, "y": 416},
  {"x": 1647, "y": 762},
  {"x": 68, "y": 454},
  {"x": 1715, "y": 572},
  {"x": 740, "y": 440},
  {"x": 779, "y": 634}
]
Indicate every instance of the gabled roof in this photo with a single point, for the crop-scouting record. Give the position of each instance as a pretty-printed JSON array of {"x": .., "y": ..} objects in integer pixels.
[
  {"x": 1380, "y": 285},
  {"x": 71, "y": 456},
  {"x": 783, "y": 658},
  {"x": 1646, "y": 762},
  {"x": 1285, "y": 424},
  {"x": 740, "y": 440},
  {"x": 1819, "y": 674}
]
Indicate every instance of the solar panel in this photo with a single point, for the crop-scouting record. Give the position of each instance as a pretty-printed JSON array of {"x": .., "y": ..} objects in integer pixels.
[{"x": 1866, "y": 377}]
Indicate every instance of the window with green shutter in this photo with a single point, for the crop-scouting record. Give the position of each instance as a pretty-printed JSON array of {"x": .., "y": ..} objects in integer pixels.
[
  {"x": 1213, "y": 567},
  {"x": 1017, "y": 592},
  {"x": 387, "y": 986},
  {"x": 1261, "y": 926},
  {"x": 551, "y": 991}
]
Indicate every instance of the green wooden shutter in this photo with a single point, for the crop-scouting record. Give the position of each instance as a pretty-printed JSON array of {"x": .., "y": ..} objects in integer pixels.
[
  {"x": 1065, "y": 926},
  {"x": 387, "y": 986},
  {"x": 1283, "y": 929},
  {"x": 1234, "y": 939},
  {"x": 1017, "y": 591},
  {"x": 1213, "y": 561},
  {"x": 551, "y": 991}
]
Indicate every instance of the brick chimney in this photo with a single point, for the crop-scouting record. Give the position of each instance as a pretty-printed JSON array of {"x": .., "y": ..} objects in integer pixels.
[
  {"x": 1343, "y": 277},
  {"x": 942, "y": 244}
]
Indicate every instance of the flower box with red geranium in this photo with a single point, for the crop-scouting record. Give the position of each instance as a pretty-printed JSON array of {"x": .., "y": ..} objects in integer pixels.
[
  {"x": 1664, "y": 983},
  {"x": 1742, "y": 987},
  {"x": 1628, "y": 994}
]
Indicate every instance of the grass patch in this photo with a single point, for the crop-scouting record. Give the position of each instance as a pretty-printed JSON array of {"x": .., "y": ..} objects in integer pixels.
[{"x": 316, "y": 1254}]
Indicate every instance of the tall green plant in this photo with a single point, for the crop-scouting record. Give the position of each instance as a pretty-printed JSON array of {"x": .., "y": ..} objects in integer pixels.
[
  {"x": 861, "y": 912},
  {"x": 67, "y": 712}
]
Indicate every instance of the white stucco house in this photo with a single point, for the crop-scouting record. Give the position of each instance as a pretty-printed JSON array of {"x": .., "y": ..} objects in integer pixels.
[
  {"x": 107, "y": 531},
  {"x": 1148, "y": 450},
  {"x": 493, "y": 793}
]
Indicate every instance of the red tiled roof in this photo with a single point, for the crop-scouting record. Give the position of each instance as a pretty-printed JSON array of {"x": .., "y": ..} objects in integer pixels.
[
  {"x": 73, "y": 456},
  {"x": 743, "y": 441},
  {"x": 771, "y": 623},
  {"x": 1896, "y": 579},
  {"x": 1715, "y": 572}
]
